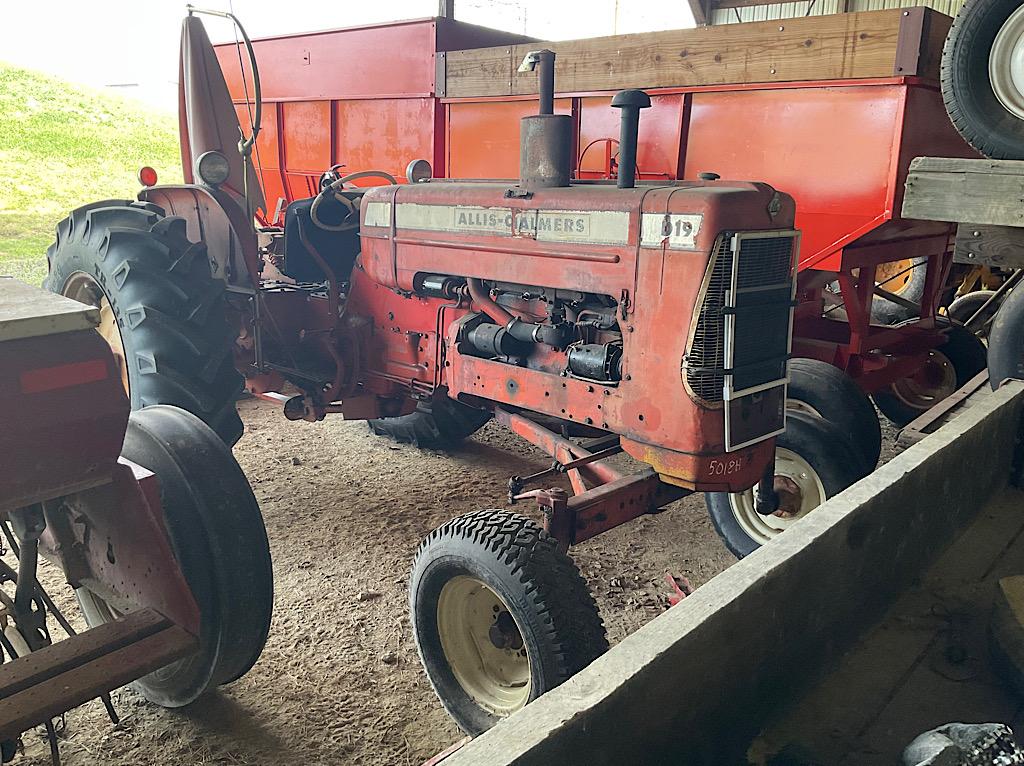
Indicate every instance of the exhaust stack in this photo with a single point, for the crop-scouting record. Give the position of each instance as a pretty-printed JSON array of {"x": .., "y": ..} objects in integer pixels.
[
  {"x": 545, "y": 139},
  {"x": 630, "y": 102}
]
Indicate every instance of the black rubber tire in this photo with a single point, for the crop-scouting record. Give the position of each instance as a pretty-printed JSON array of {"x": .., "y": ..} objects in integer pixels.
[
  {"x": 834, "y": 396},
  {"x": 966, "y": 88},
  {"x": 831, "y": 453},
  {"x": 966, "y": 306},
  {"x": 439, "y": 423},
  {"x": 544, "y": 591},
  {"x": 169, "y": 308},
  {"x": 884, "y": 311},
  {"x": 1006, "y": 340},
  {"x": 968, "y": 356},
  {"x": 217, "y": 534}
]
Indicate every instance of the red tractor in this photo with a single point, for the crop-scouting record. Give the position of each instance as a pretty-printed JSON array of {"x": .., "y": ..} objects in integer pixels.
[{"x": 591, "y": 318}]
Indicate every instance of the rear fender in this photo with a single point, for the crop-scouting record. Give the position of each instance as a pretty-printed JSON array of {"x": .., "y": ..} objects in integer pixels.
[{"x": 217, "y": 219}]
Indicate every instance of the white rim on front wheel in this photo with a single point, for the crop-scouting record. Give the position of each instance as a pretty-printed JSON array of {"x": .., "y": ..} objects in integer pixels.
[
  {"x": 483, "y": 645},
  {"x": 1006, "y": 64},
  {"x": 800, "y": 492}
]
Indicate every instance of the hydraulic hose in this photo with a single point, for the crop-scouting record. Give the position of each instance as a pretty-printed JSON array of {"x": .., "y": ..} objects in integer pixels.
[{"x": 481, "y": 296}]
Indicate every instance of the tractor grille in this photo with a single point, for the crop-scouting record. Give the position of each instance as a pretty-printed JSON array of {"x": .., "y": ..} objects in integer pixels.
[{"x": 765, "y": 261}]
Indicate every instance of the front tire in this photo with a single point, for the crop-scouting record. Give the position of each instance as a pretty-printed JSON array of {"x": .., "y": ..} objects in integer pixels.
[
  {"x": 818, "y": 388},
  {"x": 218, "y": 537},
  {"x": 812, "y": 457},
  {"x": 500, "y": 616},
  {"x": 984, "y": 95},
  {"x": 161, "y": 310}
]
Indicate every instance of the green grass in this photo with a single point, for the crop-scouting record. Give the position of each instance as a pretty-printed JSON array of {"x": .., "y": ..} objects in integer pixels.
[{"x": 61, "y": 146}]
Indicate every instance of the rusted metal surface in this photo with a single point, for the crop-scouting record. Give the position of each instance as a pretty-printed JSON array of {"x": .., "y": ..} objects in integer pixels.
[
  {"x": 613, "y": 500},
  {"x": 48, "y": 682},
  {"x": 926, "y": 423},
  {"x": 113, "y": 541}
]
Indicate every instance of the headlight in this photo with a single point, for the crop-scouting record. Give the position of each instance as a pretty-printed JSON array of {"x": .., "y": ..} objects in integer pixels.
[
  {"x": 418, "y": 170},
  {"x": 212, "y": 168}
]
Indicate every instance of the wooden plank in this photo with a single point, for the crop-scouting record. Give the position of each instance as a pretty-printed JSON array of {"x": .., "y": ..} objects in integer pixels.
[
  {"x": 62, "y": 656},
  {"x": 481, "y": 72},
  {"x": 51, "y": 697},
  {"x": 29, "y": 312},
  {"x": 837, "y": 46},
  {"x": 998, "y": 246},
  {"x": 965, "y": 191}
]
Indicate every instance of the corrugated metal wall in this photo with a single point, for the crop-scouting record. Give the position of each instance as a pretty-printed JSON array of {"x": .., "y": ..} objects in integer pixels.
[{"x": 822, "y": 8}]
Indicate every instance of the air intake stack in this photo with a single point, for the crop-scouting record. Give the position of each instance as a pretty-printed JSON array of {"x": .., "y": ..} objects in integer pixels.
[
  {"x": 545, "y": 139},
  {"x": 630, "y": 102}
]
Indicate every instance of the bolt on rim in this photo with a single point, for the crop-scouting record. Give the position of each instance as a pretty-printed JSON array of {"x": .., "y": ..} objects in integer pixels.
[
  {"x": 1006, "y": 64},
  {"x": 84, "y": 289},
  {"x": 483, "y": 645},
  {"x": 804, "y": 491}
]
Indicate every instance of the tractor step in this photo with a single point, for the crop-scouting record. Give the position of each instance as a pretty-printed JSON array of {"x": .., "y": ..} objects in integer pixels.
[{"x": 46, "y": 683}]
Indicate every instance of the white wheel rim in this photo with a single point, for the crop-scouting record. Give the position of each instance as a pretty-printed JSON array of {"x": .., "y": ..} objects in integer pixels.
[
  {"x": 811, "y": 493},
  {"x": 498, "y": 679},
  {"x": 930, "y": 385},
  {"x": 795, "y": 405},
  {"x": 1006, "y": 64}
]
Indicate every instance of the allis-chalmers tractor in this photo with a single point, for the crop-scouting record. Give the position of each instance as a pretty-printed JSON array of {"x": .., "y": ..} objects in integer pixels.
[{"x": 591, "y": 318}]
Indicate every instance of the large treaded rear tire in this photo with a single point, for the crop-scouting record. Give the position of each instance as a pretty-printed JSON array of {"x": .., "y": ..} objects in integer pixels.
[
  {"x": 170, "y": 311},
  {"x": 556, "y": 615},
  {"x": 219, "y": 539},
  {"x": 967, "y": 90},
  {"x": 437, "y": 424}
]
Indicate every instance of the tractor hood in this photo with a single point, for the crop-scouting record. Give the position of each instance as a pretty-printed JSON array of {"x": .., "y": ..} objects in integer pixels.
[{"x": 207, "y": 120}]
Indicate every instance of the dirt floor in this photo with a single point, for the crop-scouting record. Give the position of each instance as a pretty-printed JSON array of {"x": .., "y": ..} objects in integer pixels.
[{"x": 339, "y": 681}]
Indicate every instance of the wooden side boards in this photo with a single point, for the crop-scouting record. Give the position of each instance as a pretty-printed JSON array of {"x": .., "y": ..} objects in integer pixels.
[
  {"x": 986, "y": 197},
  {"x": 896, "y": 42}
]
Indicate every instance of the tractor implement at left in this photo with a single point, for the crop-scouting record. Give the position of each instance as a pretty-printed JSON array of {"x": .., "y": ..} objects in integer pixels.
[{"x": 145, "y": 513}]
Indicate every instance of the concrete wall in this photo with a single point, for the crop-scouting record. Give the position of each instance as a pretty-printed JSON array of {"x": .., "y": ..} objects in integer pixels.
[{"x": 696, "y": 684}]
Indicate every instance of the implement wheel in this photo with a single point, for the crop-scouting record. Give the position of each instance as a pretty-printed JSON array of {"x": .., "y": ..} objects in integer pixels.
[
  {"x": 217, "y": 535},
  {"x": 1006, "y": 340},
  {"x": 818, "y": 388},
  {"x": 814, "y": 460},
  {"x": 439, "y": 423},
  {"x": 161, "y": 310},
  {"x": 966, "y": 306},
  {"x": 947, "y": 368},
  {"x": 904, "y": 278},
  {"x": 983, "y": 76},
  {"x": 500, "y": 616}
]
